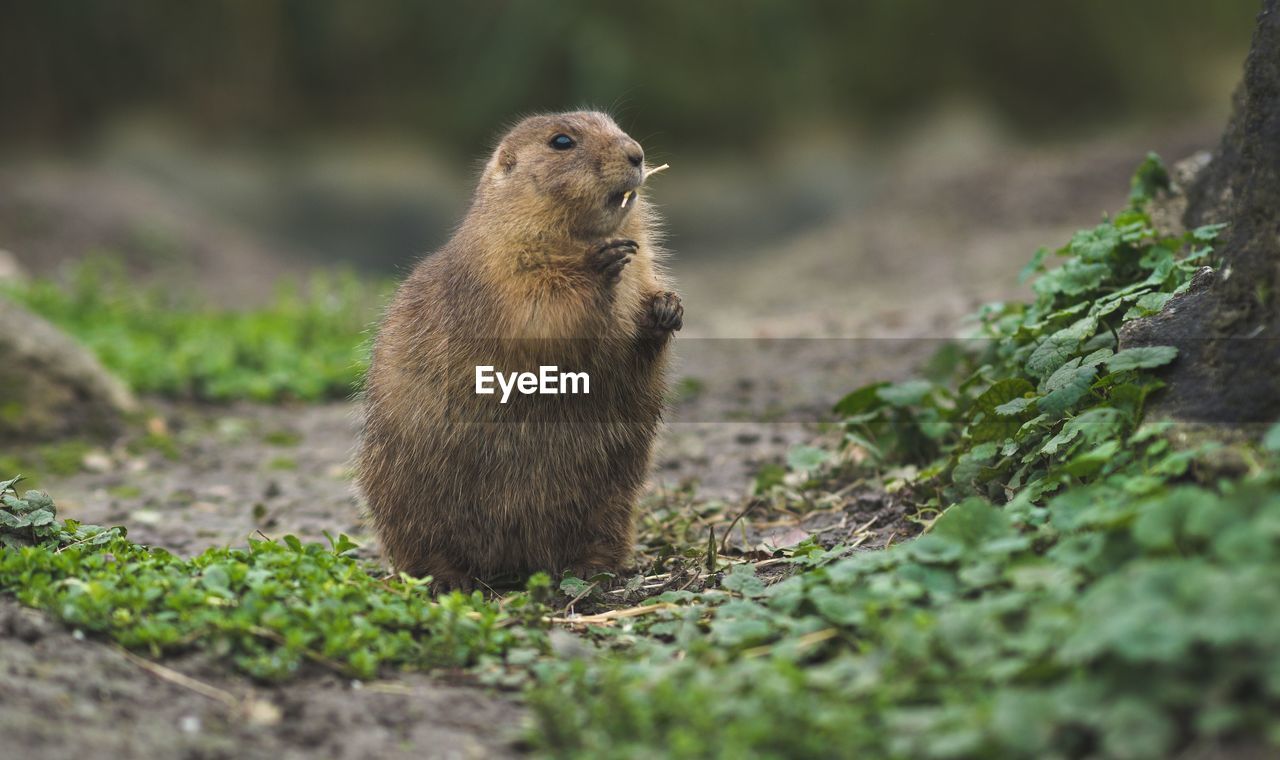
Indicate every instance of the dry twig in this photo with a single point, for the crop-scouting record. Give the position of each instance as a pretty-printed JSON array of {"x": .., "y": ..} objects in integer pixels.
[
  {"x": 181, "y": 679},
  {"x": 607, "y": 618}
]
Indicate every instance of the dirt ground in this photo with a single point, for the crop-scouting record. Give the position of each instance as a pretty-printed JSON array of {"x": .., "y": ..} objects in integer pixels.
[
  {"x": 249, "y": 469},
  {"x": 64, "y": 696},
  {"x": 773, "y": 338}
]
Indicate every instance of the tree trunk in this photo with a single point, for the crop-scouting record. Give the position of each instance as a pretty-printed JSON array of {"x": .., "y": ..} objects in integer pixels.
[{"x": 1227, "y": 326}]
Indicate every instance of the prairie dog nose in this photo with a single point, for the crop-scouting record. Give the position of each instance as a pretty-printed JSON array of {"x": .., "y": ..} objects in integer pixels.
[{"x": 635, "y": 154}]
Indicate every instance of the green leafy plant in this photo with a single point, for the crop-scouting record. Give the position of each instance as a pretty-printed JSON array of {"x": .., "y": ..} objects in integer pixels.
[
  {"x": 306, "y": 344},
  {"x": 1047, "y": 399},
  {"x": 270, "y": 608},
  {"x": 1081, "y": 593},
  {"x": 31, "y": 520},
  {"x": 1099, "y": 625}
]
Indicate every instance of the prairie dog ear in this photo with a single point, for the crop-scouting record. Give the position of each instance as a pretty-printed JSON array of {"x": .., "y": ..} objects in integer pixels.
[{"x": 506, "y": 158}]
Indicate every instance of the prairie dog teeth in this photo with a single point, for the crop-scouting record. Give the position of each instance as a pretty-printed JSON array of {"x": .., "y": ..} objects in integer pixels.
[{"x": 628, "y": 195}]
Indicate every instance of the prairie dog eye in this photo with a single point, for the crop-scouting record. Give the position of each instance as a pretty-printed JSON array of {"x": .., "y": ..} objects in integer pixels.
[{"x": 562, "y": 142}]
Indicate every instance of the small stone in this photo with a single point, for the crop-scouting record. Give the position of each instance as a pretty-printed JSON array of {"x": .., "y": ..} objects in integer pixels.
[
  {"x": 260, "y": 712},
  {"x": 10, "y": 268},
  {"x": 146, "y": 516},
  {"x": 25, "y": 625},
  {"x": 219, "y": 492},
  {"x": 97, "y": 461}
]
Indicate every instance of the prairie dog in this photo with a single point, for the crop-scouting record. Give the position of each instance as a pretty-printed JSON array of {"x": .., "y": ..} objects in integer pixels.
[{"x": 555, "y": 264}]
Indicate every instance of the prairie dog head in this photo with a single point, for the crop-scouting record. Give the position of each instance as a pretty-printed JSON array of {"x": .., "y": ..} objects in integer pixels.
[{"x": 578, "y": 170}]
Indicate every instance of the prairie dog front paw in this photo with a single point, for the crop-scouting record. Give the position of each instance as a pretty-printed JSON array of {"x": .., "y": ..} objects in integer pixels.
[
  {"x": 610, "y": 257},
  {"x": 666, "y": 312}
]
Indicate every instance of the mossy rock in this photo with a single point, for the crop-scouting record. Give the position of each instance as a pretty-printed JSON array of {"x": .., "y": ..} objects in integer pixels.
[{"x": 51, "y": 386}]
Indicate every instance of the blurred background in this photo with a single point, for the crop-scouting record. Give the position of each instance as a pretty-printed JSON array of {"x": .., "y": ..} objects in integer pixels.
[
  {"x": 861, "y": 172},
  {"x": 835, "y": 165}
]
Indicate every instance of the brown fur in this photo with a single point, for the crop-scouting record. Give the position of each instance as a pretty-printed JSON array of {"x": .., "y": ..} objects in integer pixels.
[{"x": 461, "y": 487}]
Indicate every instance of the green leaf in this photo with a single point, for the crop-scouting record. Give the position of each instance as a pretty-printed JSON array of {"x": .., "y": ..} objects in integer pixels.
[
  {"x": 836, "y": 607},
  {"x": 969, "y": 465},
  {"x": 1143, "y": 357},
  {"x": 1208, "y": 233},
  {"x": 1057, "y": 442},
  {"x": 1271, "y": 441},
  {"x": 1136, "y": 728},
  {"x": 862, "y": 442},
  {"x": 909, "y": 393},
  {"x": 216, "y": 578},
  {"x": 769, "y": 475},
  {"x": 996, "y": 425},
  {"x": 861, "y": 401},
  {"x": 40, "y": 517},
  {"x": 1095, "y": 245},
  {"x": 1150, "y": 178},
  {"x": 1015, "y": 407},
  {"x": 1097, "y": 357},
  {"x": 807, "y": 458},
  {"x": 1148, "y": 304},
  {"x": 1098, "y": 424},
  {"x": 972, "y": 522},
  {"x": 1068, "y": 389},
  {"x": 1061, "y": 376},
  {"x": 742, "y": 579},
  {"x": 105, "y": 537},
  {"x": 1090, "y": 461},
  {"x": 1036, "y": 264},
  {"x": 345, "y": 545},
  {"x": 1002, "y": 392},
  {"x": 1055, "y": 350},
  {"x": 573, "y": 586},
  {"x": 738, "y": 629},
  {"x": 39, "y": 500},
  {"x": 1071, "y": 279}
]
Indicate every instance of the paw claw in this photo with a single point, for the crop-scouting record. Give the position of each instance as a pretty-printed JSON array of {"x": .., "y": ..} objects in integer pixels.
[
  {"x": 666, "y": 311},
  {"x": 610, "y": 257}
]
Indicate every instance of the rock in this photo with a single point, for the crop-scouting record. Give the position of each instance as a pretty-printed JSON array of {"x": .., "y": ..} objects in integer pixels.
[
  {"x": 1168, "y": 210},
  {"x": 260, "y": 712},
  {"x": 97, "y": 461},
  {"x": 26, "y": 625},
  {"x": 50, "y": 385},
  {"x": 1227, "y": 327},
  {"x": 10, "y": 268}
]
